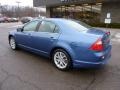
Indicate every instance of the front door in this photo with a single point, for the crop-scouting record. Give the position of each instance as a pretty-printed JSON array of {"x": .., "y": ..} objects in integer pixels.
[{"x": 23, "y": 38}]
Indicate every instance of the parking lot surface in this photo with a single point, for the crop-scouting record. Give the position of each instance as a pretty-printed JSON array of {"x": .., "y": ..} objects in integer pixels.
[{"x": 21, "y": 70}]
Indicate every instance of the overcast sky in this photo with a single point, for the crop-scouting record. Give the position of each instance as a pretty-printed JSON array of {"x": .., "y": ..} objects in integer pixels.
[
  {"x": 23, "y": 3},
  {"x": 13, "y": 2}
]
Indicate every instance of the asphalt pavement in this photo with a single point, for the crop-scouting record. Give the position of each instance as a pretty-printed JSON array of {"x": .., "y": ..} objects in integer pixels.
[{"x": 21, "y": 70}]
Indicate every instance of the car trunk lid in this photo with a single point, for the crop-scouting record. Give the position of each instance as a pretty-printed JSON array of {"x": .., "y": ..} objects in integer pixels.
[{"x": 104, "y": 35}]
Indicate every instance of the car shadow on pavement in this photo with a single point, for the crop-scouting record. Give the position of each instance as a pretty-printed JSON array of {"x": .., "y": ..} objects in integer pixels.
[{"x": 72, "y": 70}]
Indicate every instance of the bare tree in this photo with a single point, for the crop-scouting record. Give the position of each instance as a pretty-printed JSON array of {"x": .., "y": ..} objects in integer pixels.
[{"x": 14, "y": 11}]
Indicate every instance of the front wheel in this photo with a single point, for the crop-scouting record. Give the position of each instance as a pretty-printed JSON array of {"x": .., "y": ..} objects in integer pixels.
[
  {"x": 61, "y": 59},
  {"x": 12, "y": 43}
]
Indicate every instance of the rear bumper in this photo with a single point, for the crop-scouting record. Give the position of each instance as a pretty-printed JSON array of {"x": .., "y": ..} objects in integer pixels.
[{"x": 84, "y": 64}]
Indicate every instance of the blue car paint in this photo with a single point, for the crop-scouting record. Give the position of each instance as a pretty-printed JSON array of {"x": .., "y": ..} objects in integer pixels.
[{"x": 76, "y": 43}]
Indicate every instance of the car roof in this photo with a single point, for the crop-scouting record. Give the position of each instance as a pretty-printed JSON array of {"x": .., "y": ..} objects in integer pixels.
[
  {"x": 57, "y": 19},
  {"x": 54, "y": 19}
]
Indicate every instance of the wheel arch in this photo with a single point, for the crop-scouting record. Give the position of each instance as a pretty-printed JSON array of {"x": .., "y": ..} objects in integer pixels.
[
  {"x": 10, "y": 37},
  {"x": 65, "y": 49}
]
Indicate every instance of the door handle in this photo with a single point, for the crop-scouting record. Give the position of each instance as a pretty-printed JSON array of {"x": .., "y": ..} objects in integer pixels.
[
  {"x": 29, "y": 34},
  {"x": 52, "y": 37}
]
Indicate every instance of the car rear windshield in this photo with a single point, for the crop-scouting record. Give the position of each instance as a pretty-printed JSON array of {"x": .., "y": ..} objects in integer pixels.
[{"x": 77, "y": 25}]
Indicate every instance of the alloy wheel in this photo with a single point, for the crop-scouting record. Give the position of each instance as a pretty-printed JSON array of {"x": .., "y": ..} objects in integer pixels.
[
  {"x": 12, "y": 43},
  {"x": 61, "y": 60}
]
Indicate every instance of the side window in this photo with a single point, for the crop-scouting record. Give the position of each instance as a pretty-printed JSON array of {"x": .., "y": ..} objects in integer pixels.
[
  {"x": 47, "y": 26},
  {"x": 31, "y": 26}
]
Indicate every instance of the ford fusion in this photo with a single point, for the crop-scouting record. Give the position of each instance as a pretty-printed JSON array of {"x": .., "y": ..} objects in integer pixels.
[{"x": 68, "y": 43}]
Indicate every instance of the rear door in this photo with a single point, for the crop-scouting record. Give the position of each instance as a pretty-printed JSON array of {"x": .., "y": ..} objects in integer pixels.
[{"x": 46, "y": 36}]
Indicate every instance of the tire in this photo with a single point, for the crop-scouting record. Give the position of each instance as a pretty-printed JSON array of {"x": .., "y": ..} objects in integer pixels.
[
  {"x": 12, "y": 43},
  {"x": 61, "y": 59}
]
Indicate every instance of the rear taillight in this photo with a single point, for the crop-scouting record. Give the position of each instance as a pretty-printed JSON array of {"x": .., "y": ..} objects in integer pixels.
[{"x": 97, "y": 46}]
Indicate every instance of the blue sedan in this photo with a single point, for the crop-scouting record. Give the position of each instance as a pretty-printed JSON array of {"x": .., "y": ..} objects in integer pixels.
[{"x": 68, "y": 43}]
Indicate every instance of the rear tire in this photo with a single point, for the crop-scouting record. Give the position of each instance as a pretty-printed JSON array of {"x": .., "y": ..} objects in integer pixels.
[{"x": 61, "y": 59}]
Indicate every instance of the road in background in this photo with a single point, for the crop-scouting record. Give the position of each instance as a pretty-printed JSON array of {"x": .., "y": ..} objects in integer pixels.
[{"x": 21, "y": 70}]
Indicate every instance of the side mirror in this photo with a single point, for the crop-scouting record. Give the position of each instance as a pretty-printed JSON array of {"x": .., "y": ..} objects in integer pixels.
[{"x": 19, "y": 29}]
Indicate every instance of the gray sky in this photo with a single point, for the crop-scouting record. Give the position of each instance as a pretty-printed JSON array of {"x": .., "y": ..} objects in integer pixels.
[{"x": 13, "y": 2}]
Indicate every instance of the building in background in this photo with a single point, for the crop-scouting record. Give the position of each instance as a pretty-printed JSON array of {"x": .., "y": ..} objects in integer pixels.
[{"x": 85, "y": 10}]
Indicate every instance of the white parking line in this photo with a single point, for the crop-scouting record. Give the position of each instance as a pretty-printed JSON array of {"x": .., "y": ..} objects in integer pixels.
[
  {"x": 117, "y": 35},
  {"x": 116, "y": 38},
  {"x": 16, "y": 26}
]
